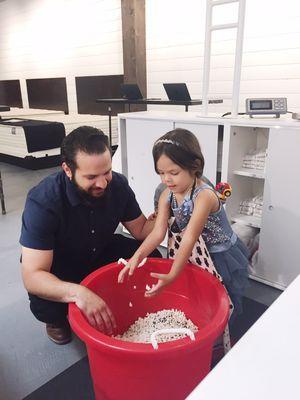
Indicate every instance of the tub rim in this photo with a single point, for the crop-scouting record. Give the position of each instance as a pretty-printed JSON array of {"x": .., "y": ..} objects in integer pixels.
[{"x": 100, "y": 341}]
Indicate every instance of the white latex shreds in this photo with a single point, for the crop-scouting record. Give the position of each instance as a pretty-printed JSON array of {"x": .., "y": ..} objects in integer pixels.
[
  {"x": 124, "y": 262},
  {"x": 140, "y": 331}
]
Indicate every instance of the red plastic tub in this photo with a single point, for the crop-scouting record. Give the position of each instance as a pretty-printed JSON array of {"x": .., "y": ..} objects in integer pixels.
[{"x": 135, "y": 371}]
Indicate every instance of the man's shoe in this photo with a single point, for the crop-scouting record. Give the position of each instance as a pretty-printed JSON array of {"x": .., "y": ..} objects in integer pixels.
[{"x": 59, "y": 333}]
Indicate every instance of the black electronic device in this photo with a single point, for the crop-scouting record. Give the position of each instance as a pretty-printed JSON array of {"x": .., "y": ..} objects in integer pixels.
[
  {"x": 131, "y": 91},
  {"x": 177, "y": 91},
  {"x": 265, "y": 106}
]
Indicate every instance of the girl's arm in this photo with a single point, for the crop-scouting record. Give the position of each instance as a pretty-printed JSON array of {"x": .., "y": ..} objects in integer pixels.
[
  {"x": 152, "y": 240},
  {"x": 205, "y": 203}
]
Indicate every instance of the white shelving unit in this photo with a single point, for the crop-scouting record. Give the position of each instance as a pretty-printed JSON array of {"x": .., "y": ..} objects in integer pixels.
[
  {"x": 247, "y": 183},
  {"x": 251, "y": 173},
  {"x": 248, "y": 220},
  {"x": 279, "y": 224}
]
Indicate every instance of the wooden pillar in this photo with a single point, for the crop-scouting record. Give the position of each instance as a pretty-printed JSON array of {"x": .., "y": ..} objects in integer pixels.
[{"x": 134, "y": 45}]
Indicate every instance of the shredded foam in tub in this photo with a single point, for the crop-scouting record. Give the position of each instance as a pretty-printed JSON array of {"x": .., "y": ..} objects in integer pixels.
[{"x": 140, "y": 331}]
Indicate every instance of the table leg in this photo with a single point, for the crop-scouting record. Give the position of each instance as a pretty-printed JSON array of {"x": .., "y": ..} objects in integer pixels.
[
  {"x": 2, "y": 196},
  {"x": 109, "y": 125}
]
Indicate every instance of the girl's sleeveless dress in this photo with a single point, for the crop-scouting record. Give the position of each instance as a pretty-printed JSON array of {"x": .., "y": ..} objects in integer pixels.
[
  {"x": 218, "y": 246},
  {"x": 179, "y": 218}
]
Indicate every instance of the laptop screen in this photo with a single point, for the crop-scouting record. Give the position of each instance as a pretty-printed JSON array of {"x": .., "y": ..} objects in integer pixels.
[
  {"x": 131, "y": 91},
  {"x": 177, "y": 91}
]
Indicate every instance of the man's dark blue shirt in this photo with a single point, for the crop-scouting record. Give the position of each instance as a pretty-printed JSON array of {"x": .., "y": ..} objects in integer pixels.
[{"x": 57, "y": 218}]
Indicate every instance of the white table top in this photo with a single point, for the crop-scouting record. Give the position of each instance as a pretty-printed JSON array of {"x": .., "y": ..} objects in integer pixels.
[
  {"x": 265, "y": 363},
  {"x": 284, "y": 122}
]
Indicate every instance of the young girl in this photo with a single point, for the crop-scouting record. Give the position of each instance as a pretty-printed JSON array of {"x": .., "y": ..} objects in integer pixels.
[{"x": 191, "y": 211}]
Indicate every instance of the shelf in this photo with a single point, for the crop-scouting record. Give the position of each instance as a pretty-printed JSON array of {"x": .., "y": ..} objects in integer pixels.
[
  {"x": 253, "y": 173},
  {"x": 248, "y": 220},
  {"x": 267, "y": 282}
]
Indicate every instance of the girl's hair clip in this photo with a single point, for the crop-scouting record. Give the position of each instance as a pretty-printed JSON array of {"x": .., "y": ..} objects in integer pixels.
[{"x": 166, "y": 141}]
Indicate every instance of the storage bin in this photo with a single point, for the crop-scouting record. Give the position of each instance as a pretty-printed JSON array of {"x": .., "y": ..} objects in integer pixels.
[{"x": 135, "y": 371}]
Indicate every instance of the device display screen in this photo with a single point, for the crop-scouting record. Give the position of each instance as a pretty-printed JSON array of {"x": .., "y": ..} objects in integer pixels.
[{"x": 261, "y": 105}]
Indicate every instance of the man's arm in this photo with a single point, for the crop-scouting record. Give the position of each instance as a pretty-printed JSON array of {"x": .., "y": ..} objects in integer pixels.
[
  {"x": 140, "y": 227},
  {"x": 38, "y": 280},
  {"x": 153, "y": 239}
]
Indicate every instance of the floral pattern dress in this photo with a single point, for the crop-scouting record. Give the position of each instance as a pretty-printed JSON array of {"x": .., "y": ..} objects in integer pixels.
[{"x": 178, "y": 220}]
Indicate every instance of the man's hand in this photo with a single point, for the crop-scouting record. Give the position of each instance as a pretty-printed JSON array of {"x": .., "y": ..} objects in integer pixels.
[
  {"x": 95, "y": 310},
  {"x": 163, "y": 280},
  {"x": 152, "y": 217}
]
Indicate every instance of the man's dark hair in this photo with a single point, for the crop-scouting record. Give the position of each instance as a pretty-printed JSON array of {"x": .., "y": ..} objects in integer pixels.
[
  {"x": 86, "y": 139},
  {"x": 183, "y": 148}
]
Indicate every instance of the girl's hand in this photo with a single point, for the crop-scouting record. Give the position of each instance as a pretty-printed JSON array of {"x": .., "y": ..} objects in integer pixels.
[
  {"x": 163, "y": 280},
  {"x": 128, "y": 269}
]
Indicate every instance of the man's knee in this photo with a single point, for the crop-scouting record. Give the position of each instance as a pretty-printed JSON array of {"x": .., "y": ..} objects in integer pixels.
[
  {"x": 122, "y": 247},
  {"x": 48, "y": 311},
  {"x": 128, "y": 246},
  {"x": 156, "y": 253}
]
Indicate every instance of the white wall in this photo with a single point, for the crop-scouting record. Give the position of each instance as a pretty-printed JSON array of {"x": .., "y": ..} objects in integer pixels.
[
  {"x": 60, "y": 38},
  {"x": 271, "y": 57},
  {"x": 57, "y": 38}
]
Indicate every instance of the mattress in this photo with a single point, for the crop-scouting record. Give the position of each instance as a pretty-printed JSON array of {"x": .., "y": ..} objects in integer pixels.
[
  {"x": 27, "y": 112},
  {"x": 73, "y": 121},
  {"x": 13, "y": 140}
]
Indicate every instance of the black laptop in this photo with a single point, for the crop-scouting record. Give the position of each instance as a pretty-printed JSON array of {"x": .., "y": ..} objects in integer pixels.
[
  {"x": 177, "y": 92},
  {"x": 131, "y": 91}
]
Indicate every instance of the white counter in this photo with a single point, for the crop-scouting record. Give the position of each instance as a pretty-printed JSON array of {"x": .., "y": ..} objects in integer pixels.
[
  {"x": 285, "y": 121},
  {"x": 264, "y": 364}
]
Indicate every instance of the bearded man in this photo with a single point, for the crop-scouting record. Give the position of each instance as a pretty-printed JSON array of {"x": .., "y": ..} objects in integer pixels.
[{"x": 68, "y": 231}]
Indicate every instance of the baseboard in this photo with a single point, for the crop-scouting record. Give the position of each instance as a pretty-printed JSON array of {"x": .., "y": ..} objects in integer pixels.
[
  {"x": 33, "y": 163},
  {"x": 267, "y": 282},
  {"x": 30, "y": 162}
]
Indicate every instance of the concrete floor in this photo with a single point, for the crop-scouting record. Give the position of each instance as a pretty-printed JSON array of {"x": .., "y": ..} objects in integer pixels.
[{"x": 28, "y": 359}]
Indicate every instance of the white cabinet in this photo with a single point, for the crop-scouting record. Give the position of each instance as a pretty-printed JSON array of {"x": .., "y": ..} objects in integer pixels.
[
  {"x": 278, "y": 217},
  {"x": 279, "y": 223},
  {"x": 246, "y": 183},
  {"x": 280, "y": 233},
  {"x": 208, "y": 139},
  {"x": 138, "y": 139}
]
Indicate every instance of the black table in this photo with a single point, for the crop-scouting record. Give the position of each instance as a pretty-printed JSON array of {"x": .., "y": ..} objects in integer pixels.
[{"x": 151, "y": 101}]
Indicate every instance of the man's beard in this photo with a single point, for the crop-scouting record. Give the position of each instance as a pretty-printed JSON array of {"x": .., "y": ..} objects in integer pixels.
[{"x": 88, "y": 197}]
